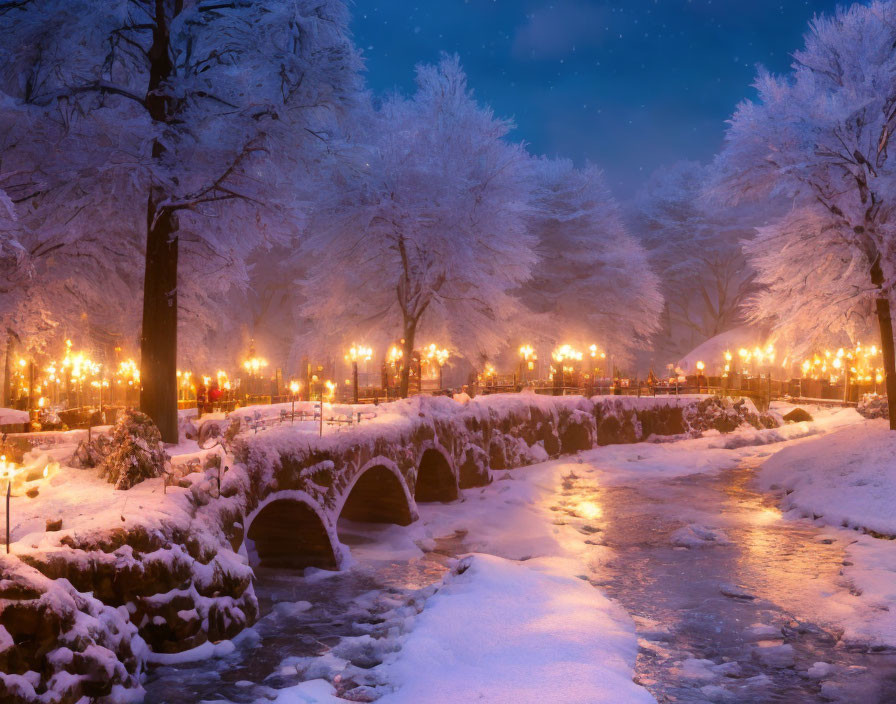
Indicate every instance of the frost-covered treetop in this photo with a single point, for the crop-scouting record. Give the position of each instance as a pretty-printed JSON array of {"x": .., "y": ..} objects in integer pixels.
[
  {"x": 821, "y": 133},
  {"x": 820, "y": 136},
  {"x": 431, "y": 226}
]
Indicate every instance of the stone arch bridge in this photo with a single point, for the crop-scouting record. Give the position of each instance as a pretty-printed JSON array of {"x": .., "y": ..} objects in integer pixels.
[{"x": 295, "y": 489}]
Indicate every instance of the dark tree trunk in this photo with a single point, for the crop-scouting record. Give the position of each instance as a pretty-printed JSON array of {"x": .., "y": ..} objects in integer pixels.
[
  {"x": 885, "y": 321},
  {"x": 158, "y": 342},
  {"x": 158, "y": 339},
  {"x": 410, "y": 331},
  {"x": 7, "y": 370}
]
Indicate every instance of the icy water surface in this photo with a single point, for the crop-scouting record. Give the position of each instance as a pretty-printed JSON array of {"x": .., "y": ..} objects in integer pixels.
[
  {"x": 310, "y": 626},
  {"x": 736, "y": 611}
]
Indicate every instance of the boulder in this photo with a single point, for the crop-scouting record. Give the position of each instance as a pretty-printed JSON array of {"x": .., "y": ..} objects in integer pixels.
[{"x": 798, "y": 415}]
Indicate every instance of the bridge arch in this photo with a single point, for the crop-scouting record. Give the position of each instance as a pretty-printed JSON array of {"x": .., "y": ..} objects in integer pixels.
[
  {"x": 576, "y": 437},
  {"x": 289, "y": 529},
  {"x": 378, "y": 494},
  {"x": 436, "y": 478}
]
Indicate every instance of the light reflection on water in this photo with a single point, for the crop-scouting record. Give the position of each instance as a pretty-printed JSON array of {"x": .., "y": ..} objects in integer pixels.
[{"x": 783, "y": 585}]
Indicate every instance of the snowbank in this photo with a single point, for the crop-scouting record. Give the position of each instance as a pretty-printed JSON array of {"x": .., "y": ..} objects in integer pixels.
[
  {"x": 501, "y": 631},
  {"x": 847, "y": 477},
  {"x": 11, "y": 416}
]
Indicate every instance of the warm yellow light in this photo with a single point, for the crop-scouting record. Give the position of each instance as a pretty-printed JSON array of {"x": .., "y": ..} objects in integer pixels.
[
  {"x": 359, "y": 353},
  {"x": 527, "y": 352},
  {"x": 837, "y": 363},
  {"x": 588, "y": 510},
  {"x": 701, "y": 366},
  {"x": 728, "y": 356},
  {"x": 254, "y": 364},
  {"x": 434, "y": 353},
  {"x": 294, "y": 387},
  {"x": 395, "y": 353},
  {"x": 22, "y": 362},
  {"x": 567, "y": 352}
]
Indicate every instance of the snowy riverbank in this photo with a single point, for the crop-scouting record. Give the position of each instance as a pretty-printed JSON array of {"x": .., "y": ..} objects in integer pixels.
[{"x": 846, "y": 478}]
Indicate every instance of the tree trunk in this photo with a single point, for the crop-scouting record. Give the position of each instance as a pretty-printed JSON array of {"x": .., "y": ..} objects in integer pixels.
[
  {"x": 885, "y": 321},
  {"x": 410, "y": 331},
  {"x": 7, "y": 370},
  {"x": 158, "y": 341}
]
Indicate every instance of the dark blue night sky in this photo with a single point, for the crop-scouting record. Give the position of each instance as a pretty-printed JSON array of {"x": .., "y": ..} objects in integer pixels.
[{"x": 630, "y": 86}]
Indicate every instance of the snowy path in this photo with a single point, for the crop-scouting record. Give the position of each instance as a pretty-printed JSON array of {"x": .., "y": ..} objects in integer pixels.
[{"x": 733, "y": 602}]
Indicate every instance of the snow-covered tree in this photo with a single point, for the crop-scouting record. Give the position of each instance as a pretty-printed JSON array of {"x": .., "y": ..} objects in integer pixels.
[
  {"x": 821, "y": 136},
  {"x": 181, "y": 122},
  {"x": 60, "y": 279},
  {"x": 593, "y": 283},
  {"x": 696, "y": 247},
  {"x": 427, "y": 236}
]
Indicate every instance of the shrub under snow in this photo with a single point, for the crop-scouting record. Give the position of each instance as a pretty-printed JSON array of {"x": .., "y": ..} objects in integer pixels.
[{"x": 137, "y": 451}]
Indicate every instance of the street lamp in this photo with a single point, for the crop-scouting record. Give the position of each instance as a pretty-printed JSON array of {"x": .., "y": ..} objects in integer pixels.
[
  {"x": 596, "y": 354},
  {"x": 253, "y": 365},
  {"x": 561, "y": 354},
  {"x": 436, "y": 355},
  {"x": 527, "y": 361},
  {"x": 294, "y": 387},
  {"x": 355, "y": 354},
  {"x": 700, "y": 367}
]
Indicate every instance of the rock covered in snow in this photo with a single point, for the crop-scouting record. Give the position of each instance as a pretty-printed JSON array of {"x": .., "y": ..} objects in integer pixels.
[
  {"x": 62, "y": 646},
  {"x": 698, "y": 536},
  {"x": 873, "y": 406}
]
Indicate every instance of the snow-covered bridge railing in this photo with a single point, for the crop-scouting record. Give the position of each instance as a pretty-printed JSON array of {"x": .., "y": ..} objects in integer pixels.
[{"x": 74, "y": 601}]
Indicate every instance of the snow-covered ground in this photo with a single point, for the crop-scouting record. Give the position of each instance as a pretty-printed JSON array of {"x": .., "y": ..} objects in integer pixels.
[
  {"x": 517, "y": 619},
  {"x": 86, "y": 502},
  {"x": 846, "y": 478}
]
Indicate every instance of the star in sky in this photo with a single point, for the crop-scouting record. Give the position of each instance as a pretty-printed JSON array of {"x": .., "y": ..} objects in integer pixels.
[{"x": 630, "y": 86}]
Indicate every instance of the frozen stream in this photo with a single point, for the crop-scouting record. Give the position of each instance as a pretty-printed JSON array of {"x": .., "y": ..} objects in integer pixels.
[
  {"x": 311, "y": 627},
  {"x": 736, "y": 611},
  {"x": 732, "y": 602}
]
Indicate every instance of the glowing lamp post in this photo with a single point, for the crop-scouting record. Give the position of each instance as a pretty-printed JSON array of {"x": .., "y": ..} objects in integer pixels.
[
  {"x": 527, "y": 361},
  {"x": 254, "y": 365},
  {"x": 391, "y": 366},
  {"x": 294, "y": 387},
  {"x": 562, "y": 354},
  {"x": 355, "y": 354},
  {"x": 700, "y": 367},
  {"x": 438, "y": 356}
]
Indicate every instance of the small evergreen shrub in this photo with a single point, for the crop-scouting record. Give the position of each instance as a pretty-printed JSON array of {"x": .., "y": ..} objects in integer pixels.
[{"x": 137, "y": 451}]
